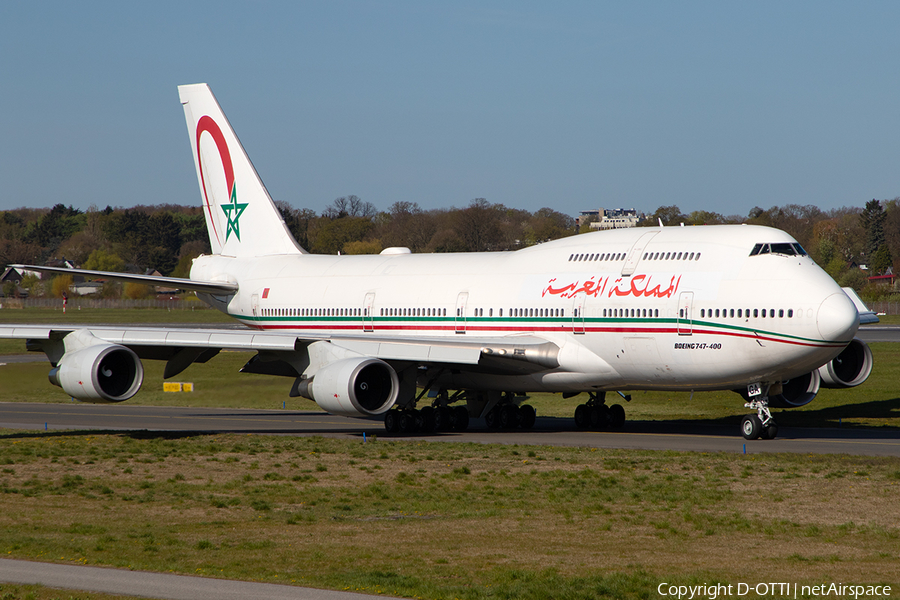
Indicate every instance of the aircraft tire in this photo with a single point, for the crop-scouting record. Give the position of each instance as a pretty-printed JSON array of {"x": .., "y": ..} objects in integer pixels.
[
  {"x": 770, "y": 431},
  {"x": 460, "y": 418},
  {"x": 391, "y": 421},
  {"x": 509, "y": 417},
  {"x": 407, "y": 421},
  {"x": 492, "y": 418},
  {"x": 442, "y": 419},
  {"x": 751, "y": 427},
  {"x": 427, "y": 419},
  {"x": 528, "y": 416},
  {"x": 616, "y": 416},
  {"x": 599, "y": 417},
  {"x": 582, "y": 416}
]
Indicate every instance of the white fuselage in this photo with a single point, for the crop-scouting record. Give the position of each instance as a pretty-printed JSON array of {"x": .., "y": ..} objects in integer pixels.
[{"x": 660, "y": 308}]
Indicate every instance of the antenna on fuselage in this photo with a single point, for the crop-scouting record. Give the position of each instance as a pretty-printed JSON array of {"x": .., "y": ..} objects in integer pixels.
[{"x": 660, "y": 222}]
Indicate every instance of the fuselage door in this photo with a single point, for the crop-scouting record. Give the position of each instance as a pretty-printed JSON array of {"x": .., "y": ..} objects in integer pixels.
[
  {"x": 461, "y": 301},
  {"x": 637, "y": 251},
  {"x": 578, "y": 314},
  {"x": 369, "y": 312},
  {"x": 254, "y": 304},
  {"x": 685, "y": 320}
]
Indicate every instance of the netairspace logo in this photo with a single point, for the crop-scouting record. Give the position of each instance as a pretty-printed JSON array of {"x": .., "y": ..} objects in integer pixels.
[{"x": 773, "y": 590}]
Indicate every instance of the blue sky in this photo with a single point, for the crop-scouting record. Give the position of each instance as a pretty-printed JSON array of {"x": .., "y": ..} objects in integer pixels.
[{"x": 717, "y": 106}]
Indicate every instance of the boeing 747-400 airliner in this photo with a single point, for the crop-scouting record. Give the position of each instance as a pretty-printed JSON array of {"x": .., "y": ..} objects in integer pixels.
[{"x": 426, "y": 341}]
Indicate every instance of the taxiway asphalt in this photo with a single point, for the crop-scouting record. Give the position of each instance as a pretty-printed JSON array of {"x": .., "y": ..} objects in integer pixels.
[
  {"x": 551, "y": 431},
  {"x": 156, "y": 585}
]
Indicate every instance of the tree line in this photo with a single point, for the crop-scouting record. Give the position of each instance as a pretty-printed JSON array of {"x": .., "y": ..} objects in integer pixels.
[{"x": 167, "y": 237}]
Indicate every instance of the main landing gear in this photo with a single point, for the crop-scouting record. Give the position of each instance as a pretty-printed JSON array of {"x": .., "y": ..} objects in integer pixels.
[
  {"x": 427, "y": 419},
  {"x": 510, "y": 416},
  {"x": 761, "y": 425},
  {"x": 596, "y": 415}
]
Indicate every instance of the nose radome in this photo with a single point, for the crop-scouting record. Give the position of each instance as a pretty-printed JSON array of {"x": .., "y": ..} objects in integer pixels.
[{"x": 837, "y": 318}]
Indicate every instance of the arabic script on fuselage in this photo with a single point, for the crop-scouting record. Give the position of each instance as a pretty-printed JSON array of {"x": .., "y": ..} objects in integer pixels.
[{"x": 637, "y": 286}]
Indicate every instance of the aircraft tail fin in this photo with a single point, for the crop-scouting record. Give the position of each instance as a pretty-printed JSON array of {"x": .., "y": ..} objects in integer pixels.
[{"x": 241, "y": 218}]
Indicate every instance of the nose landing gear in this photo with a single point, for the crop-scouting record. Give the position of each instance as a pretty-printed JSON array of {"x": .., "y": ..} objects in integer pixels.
[{"x": 761, "y": 425}]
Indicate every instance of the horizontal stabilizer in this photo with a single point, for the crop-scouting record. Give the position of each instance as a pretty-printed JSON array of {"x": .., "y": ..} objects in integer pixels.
[{"x": 208, "y": 287}]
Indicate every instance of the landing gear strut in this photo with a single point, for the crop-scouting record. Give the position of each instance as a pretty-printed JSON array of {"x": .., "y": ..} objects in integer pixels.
[
  {"x": 596, "y": 415},
  {"x": 762, "y": 424}
]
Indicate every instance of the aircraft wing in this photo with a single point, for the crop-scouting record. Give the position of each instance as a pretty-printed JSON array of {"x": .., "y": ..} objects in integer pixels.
[
  {"x": 164, "y": 343},
  {"x": 209, "y": 287}
]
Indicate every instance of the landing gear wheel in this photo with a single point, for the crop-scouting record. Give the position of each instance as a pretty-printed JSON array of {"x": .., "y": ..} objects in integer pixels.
[
  {"x": 528, "y": 416},
  {"x": 751, "y": 427},
  {"x": 582, "y": 416},
  {"x": 770, "y": 431},
  {"x": 599, "y": 417},
  {"x": 492, "y": 418},
  {"x": 509, "y": 416},
  {"x": 460, "y": 418},
  {"x": 616, "y": 416},
  {"x": 426, "y": 419},
  {"x": 442, "y": 419},
  {"x": 392, "y": 421},
  {"x": 407, "y": 421}
]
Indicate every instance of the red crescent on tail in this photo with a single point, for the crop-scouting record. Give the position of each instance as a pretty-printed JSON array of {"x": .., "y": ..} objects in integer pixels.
[{"x": 206, "y": 123}]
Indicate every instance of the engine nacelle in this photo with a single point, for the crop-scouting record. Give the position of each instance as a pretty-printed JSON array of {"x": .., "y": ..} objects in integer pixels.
[
  {"x": 99, "y": 373},
  {"x": 797, "y": 391},
  {"x": 353, "y": 387},
  {"x": 850, "y": 368}
]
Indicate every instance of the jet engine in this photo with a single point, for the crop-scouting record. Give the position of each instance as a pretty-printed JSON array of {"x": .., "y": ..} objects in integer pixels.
[
  {"x": 850, "y": 368},
  {"x": 99, "y": 373},
  {"x": 797, "y": 391},
  {"x": 353, "y": 387}
]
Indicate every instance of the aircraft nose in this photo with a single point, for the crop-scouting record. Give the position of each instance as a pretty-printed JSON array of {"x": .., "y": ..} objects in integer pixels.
[{"x": 837, "y": 318}]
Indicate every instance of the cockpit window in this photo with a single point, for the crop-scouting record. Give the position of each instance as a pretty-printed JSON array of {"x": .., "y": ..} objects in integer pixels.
[
  {"x": 787, "y": 249},
  {"x": 784, "y": 248}
]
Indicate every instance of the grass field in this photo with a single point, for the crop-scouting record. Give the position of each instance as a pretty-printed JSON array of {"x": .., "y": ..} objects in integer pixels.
[
  {"x": 9, "y": 591},
  {"x": 436, "y": 520}
]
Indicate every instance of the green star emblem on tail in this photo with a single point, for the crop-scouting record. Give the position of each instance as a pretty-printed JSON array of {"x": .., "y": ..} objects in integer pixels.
[{"x": 233, "y": 212}]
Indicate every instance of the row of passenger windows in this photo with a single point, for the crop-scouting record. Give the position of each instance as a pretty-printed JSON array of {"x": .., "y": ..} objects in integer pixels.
[
  {"x": 591, "y": 257},
  {"x": 519, "y": 312},
  {"x": 407, "y": 312},
  {"x": 671, "y": 256},
  {"x": 723, "y": 313},
  {"x": 647, "y": 256},
  {"x": 729, "y": 313},
  {"x": 413, "y": 312},
  {"x": 652, "y": 313},
  {"x": 314, "y": 312}
]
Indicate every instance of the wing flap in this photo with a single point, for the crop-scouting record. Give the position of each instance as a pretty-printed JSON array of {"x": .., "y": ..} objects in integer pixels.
[
  {"x": 25, "y": 332},
  {"x": 430, "y": 351}
]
